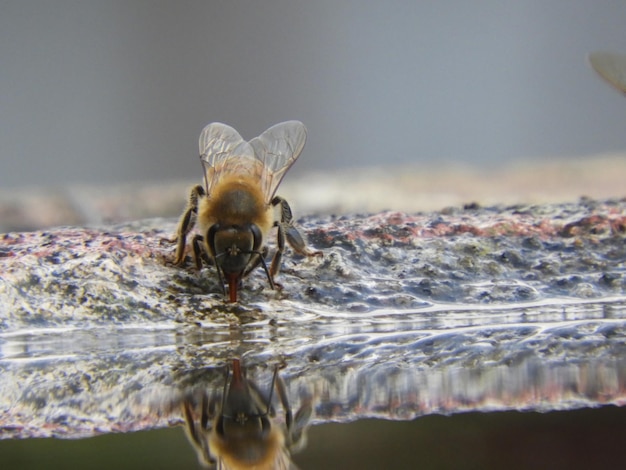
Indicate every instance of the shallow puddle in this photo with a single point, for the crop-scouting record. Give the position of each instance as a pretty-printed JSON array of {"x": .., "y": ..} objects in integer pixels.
[{"x": 394, "y": 365}]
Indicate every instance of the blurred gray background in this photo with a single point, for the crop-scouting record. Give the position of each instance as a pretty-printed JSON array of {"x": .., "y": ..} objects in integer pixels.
[{"x": 116, "y": 91}]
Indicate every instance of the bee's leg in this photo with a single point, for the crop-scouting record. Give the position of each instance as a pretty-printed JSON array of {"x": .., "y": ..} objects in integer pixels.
[
  {"x": 267, "y": 272},
  {"x": 192, "y": 431},
  {"x": 297, "y": 433},
  {"x": 282, "y": 395},
  {"x": 258, "y": 256},
  {"x": 295, "y": 426},
  {"x": 187, "y": 222},
  {"x": 212, "y": 258},
  {"x": 197, "y": 435},
  {"x": 287, "y": 230},
  {"x": 226, "y": 385},
  {"x": 199, "y": 253},
  {"x": 280, "y": 247},
  {"x": 297, "y": 242},
  {"x": 221, "y": 278}
]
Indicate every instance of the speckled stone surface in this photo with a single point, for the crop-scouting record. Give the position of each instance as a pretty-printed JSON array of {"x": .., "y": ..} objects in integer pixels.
[{"x": 386, "y": 261}]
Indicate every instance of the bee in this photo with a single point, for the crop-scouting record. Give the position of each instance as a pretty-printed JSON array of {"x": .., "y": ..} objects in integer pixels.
[
  {"x": 611, "y": 67},
  {"x": 237, "y": 207},
  {"x": 241, "y": 434}
]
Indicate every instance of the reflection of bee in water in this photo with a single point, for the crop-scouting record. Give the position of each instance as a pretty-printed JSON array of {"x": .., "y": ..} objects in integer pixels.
[
  {"x": 240, "y": 434},
  {"x": 237, "y": 207}
]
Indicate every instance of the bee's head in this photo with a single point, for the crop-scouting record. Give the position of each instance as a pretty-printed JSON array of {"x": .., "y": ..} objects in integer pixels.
[
  {"x": 243, "y": 425},
  {"x": 243, "y": 412},
  {"x": 232, "y": 247}
]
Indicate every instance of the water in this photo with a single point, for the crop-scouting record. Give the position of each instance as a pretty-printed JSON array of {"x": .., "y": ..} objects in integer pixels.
[{"x": 443, "y": 359}]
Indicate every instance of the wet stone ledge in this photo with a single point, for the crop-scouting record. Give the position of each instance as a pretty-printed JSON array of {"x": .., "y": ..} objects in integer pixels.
[
  {"x": 469, "y": 308},
  {"x": 383, "y": 262}
]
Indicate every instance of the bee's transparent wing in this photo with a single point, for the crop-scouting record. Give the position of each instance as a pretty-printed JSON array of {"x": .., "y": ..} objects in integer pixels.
[
  {"x": 222, "y": 151},
  {"x": 611, "y": 67},
  {"x": 277, "y": 148}
]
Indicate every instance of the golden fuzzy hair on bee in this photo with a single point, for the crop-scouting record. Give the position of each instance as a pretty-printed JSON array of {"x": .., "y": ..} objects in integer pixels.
[
  {"x": 236, "y": 201},
  {"x": 268, "y": 454}
]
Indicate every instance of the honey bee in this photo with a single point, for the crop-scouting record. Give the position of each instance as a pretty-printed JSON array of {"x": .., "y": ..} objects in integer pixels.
[
  {"x": 611, "y": 67},
  {"x": 237, "y": 207},
  {"x": 241, "y": 434}
]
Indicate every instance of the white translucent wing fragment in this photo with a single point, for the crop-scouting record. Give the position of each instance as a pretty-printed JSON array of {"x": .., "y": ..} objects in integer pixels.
[
  {"x": 611, "y": 67},
  {"x": 277, "y": 148},
  {"x": 223, "y": 150}
]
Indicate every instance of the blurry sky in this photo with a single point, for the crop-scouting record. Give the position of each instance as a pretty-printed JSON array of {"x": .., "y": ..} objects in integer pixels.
[{"x": 113, "y": 91}]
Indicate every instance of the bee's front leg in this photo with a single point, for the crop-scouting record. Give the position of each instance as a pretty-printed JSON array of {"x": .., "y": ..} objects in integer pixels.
[
  {"x": 258, "y": 258},
  {"x": 295, "y": 425},
  {"x": 286, "y": 230},
  {"x": 187, "y": 222},
  {"x": 198, "y": 428},
  {"x": 199, "y": 253}
]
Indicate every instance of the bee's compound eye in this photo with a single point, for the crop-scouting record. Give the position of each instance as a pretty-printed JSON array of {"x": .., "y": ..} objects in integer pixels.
[
  {"x": 256, "y": 236},
  {"x": 210, "y": 238}
]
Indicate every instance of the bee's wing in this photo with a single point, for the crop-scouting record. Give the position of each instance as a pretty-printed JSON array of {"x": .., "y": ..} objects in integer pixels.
[
  {"x": 277, "y": 148},
  {"x": 222, "y": 151},
  {"x": 611, "y": 67}
]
